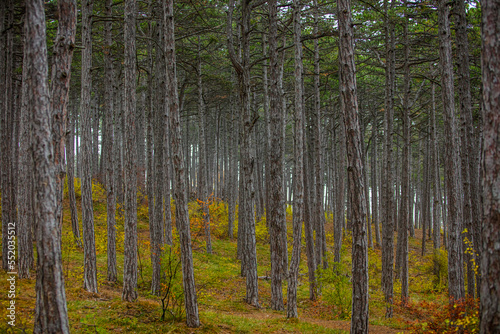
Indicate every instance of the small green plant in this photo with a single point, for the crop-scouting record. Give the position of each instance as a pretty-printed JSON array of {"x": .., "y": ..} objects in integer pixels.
[
  {"x": 172, "y": 300},
  {"x": 336, "y": 289},
  {"x": 439, "y": 269}
]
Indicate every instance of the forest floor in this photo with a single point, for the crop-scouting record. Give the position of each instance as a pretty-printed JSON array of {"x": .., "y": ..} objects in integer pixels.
[{"x": 221, "y": 289}]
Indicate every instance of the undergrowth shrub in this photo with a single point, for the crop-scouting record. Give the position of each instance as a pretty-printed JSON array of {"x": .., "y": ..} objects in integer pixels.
[
  {"x": 172, "y": 291},
  {"x": 438, "y": 269},
  {"x": 462, "y": 316},
  {"x": 336, "y": 289}
]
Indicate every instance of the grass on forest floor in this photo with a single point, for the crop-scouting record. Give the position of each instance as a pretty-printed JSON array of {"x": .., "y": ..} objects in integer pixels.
[{"x": 220, "y": 288}]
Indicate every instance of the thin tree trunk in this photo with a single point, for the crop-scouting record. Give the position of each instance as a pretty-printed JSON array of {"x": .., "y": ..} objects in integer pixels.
[
  {"x": 340, "y": 218},
  {"x": 453, "y": 177},
  {"x": 129, "y": 292},
  {"x": 404, "y": 214},
  {"x": 61, "y": 75},
  {"x": 374, "y": 178},
  {"x": 275, "y": 165},
  {"x": 388, "y": 180},
  {"x": 247, "y": 160},
  {"x": 202, "y": 165},
  {"x": 51, "y": 314},
  {"x": 180, "y": 195},
  {"x": 25, "y": 214},
  {"x": 298, "y": 181},
  {"x": 349, "y": 107},
  {"x": 109, "y": 156},
  {"x": 8, "y": 208},
  {"x": 90, "y": 265},
  {"x": 466, "y": 136},
  {"x": 319, "y": 214},
  {"x": 490, "y": 260}
]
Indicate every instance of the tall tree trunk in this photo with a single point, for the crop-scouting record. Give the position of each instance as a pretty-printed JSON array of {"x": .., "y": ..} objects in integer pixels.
[
  {"x": 490, "y": 260},
  {"x": 340, "y": 218},
  {"x": 388, "y": 180},
  {"x": 202, "y": 165},
  {"x": 25, "y": 214},
  {"x": 298, "y": 178},
  {"x": 374, "y": 177},
  {"x": 404, "y": 213},
  {"x": 95, "y": 135},
  {"x": 275, "y": 164},
  {"x": 349, "y": 106},
  {"x": 70, "y": 164},
  {"x": 129, "y": 292},
  {"x": 51, "y": 314},
  {"x": 61, "y": 75},
  {"x": 453, "y": 177},
  {"x": 8, "y": 208},
  {"x": 90, "y": 265},
  {"x": 319, "y": 213},
  {"x": 109, "y": 156},
  {"x": 466, "y": 136},
  {"x": 308, "y": 222},
  {"x": 435, "y": 172},
  {"x": 247, "y": 160},
  {"x": 156, "y": 221},
  {"x": 233, "y": 166},
  {"x": 180, "y": 195}
]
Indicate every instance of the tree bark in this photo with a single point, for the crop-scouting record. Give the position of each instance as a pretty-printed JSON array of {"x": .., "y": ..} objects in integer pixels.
[
  {"x": 298, "y": 181},
  {"x": 247, "y": 161},
  {"x": 490, "y": 260},
  {"x": 466, "y": 136},
  {"x": 8, "y": 206},
  {"x": 51, "y": 314},
  {"x": 453, "y": 177},
  {"x": 388, "y": 179},
  {"x": 61, "y": 75},
  {"x": 319, "y": 213},
  {"x": 374, "y": 177},
  {"x": 129, "y": 292},
  {"x": 90, "y": 265},
  {"x": 180, "y": 195},
  {"x": 276, "y": 199},
  {"x": 349, "y": 107},
  {"x": 25, "y": 195},
  {"x": 109, "y": 156},
  {"x": 202, "y": 165},
  {"x": 404, "y": 214}
]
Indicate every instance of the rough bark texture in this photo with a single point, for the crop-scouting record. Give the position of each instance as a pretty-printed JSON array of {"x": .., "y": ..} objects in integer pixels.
[
  {"x": 374, "y": 178},
  {"x": 466, "y": 136},
  {"x": 388, "y": 179},
  {"x": 349, "y": 106},
  {"x": 319, "y": 213},
  {"x": 129, "y": 292},
  {"x": 490, "y": 260},
  {"x": 404, "y": 215},
  {"x": 25, "y": 190},
  {"x": 61, "y": 75},
  {"x": 180, "y": 195},
  {"x": 298, "y": 178},
  {"x": 51, "y": 314},
  {"x": 247, "y": 218},
  {"x": 90, "y": 266},
  {"x": 202, "y": 165},
  {"x": 340, "y": 217},
  {"x": 6, "y": 115},
  {"x": 453, "y": 177},
  {"x": 70, "y": 166},
  {"x": 109, "y": 130},
  {"x": 276, "y": 199}
]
